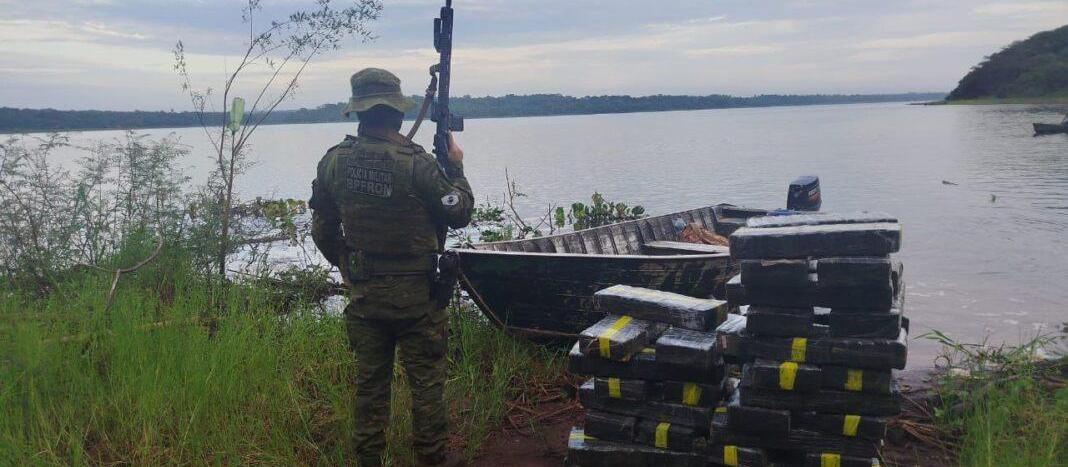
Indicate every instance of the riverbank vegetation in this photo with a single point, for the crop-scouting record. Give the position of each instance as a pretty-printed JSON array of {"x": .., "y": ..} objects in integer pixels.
[
  {"x": 180, "y": 371},
  {"x": 999, "y": 405},
  {"x": 1033, "y": 68}
]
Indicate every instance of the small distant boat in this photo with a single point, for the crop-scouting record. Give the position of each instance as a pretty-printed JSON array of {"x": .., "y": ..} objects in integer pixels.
[
  {"x": 543, "y": 287},
  {"x": 1049, "y": 129}
]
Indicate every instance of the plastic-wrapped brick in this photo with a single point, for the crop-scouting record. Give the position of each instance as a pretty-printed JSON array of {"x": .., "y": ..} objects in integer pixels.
[
  {"x": 664, "y": 307},
  {"x": 818, "y": 218},
  {"x": 776, "y": 272},
  {"x": 785, "y": 376},
  {"x": 687, "y": 355},
  {"x": 695, "y": 416},
  {"x": 834, "y": 459},
  {"x": 825, "y": 401},
  {"x": 758, "y": 420},
  {"x": 850, "y": 352},
  {"x": 823, "y": 240},
  {"x": 688, "y": 393},
  {"x": 665, "y": 435},
  {"x": 586, "y": 451},
  {"x": 621, "y": 388},
  {"x": 794, "y": 440},
  {"x": 640, "y": 366},
  {"x": 854, "y": 426},
  {"x": 609, "y": 426},
  {"x": 616, "y": 337}
]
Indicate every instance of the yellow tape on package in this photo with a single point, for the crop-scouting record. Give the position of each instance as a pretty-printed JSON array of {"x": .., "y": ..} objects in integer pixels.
[
  {"x": 798, "y": 349},
  {"x": 787, "y": 375},
  {"x": 854, "y": 380},
  {"x": 661, "y": 437},
  {"x": 604, "y": 341},
  {"x": 691, "y": 393}
]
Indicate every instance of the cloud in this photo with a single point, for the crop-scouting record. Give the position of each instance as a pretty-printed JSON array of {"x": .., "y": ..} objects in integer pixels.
[
  {"x": 1024, "y": 8},
  {"x": 935, "y": 40}
]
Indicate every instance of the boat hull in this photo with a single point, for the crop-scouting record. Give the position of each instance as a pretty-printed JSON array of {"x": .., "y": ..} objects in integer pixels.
[
  {"x": 1048, "y": 129},
  {"x": 549, "y": 294},
  {"x": 544, "y": 286}
]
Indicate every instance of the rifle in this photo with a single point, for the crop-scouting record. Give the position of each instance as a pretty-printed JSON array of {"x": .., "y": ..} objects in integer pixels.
[{"x": 442, "y": 73}]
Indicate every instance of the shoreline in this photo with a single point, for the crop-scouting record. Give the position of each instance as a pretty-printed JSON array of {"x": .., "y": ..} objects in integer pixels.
[
  {"x": 1054, "y": 100},
  {"x": 4, "y": 131}
]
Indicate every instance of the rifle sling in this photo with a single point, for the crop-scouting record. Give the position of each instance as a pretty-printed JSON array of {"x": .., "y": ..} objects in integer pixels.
[{"x": 427, "y": 99}]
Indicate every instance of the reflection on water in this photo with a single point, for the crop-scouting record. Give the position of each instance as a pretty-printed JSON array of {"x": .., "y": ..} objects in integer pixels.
[{"x": 987, "y": 256}]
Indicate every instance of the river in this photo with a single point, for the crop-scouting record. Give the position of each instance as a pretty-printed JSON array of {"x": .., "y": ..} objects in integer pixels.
[{"x": 985, "y": 257}]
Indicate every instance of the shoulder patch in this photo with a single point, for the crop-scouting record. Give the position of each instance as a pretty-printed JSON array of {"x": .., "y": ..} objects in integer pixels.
[{"x": 451, "y": 199}]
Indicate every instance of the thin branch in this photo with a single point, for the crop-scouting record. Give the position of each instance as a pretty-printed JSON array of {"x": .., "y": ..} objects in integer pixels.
[{"x": 119, "y": 272}]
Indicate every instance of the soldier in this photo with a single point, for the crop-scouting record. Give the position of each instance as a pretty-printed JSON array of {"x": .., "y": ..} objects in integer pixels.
[{"x": 379, "y": 201}]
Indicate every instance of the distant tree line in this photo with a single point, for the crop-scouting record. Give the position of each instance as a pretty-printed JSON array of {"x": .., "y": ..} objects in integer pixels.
[
  {"x": 14, "y": 120},
  {"x": 1036, "y": 67}
]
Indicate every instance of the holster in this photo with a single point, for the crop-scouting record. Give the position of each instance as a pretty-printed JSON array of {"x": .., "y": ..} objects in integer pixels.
[{"x": 444, "y": 279}]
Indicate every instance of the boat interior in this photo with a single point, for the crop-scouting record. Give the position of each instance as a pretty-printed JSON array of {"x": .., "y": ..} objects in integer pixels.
[{"x": 654, "y": 236}]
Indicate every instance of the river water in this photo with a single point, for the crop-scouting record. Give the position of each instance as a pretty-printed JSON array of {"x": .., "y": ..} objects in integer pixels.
[{"x": 985, "y": 257}]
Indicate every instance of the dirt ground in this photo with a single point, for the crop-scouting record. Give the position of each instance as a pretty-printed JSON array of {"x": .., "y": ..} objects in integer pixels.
[{"x": 545, "y": 443}]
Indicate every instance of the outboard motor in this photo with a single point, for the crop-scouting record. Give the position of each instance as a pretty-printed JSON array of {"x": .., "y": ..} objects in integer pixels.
[{"x": 804, "y": 194}]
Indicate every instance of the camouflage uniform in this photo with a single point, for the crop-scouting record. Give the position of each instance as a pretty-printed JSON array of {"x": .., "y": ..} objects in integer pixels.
[{"x": 379, "y": 201}]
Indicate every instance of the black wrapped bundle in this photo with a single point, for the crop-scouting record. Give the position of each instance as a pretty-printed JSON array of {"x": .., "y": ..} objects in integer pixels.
[
  {"x": 620, "y": 388},
  {"x": 665, "y": 435},
  {"x": 720, "y": 454},
  {"x": 686, "y": 355},
  {"x": 824, "y": 240},
  {"x": 610, "y": 427},
  {"x": 584, "y": 451},
  {"x": 699, "y": 394},
  {"x": 756, "y": 420},
  {"x": 879, "y": 298},
  {"x": 729, "y": 336},
  {"x": 784, "y": 322},
  {"x": 694, "y": 416},
  {"x": 858, "y": 271},
  {"x": 848, "y": 323},
  {"x": 825, "y": 401},
  {"x": 851, "y": 352},
  {"x": 785, "y": 376},
  {"x": 800, "y": 377},
  {"x": 794, "y": 440},
  {"x": 776, "y": 272},
  {"x": 825, "y": 459},
  {"x": 857, "y": 379},
  {"x": 616, "y": 337},
  {"x": 664, "y": 307},
  {"x": 818, "y": 218},
  {"x": 640, "y": 366},
  {"x": 791, "y": 349},
  {"x": 854, "y": 426}
]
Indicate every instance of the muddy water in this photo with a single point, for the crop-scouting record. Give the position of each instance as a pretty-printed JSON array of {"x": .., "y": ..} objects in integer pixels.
[{"x": 986, "y": 257}]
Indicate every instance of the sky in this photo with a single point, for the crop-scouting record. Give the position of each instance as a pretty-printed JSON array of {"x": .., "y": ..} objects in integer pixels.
[{"x": 118, "y": 54}]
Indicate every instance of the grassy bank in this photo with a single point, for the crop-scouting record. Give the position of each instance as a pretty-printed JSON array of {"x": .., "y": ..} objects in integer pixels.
[
  {"x": 999, "y": 406},
  {"x": 163, "y": 377}
]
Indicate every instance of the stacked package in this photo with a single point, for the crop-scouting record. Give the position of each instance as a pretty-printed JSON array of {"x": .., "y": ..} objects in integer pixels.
[
  {"x": 822, "y": 332},
  {"x": 656, "y": 380}
]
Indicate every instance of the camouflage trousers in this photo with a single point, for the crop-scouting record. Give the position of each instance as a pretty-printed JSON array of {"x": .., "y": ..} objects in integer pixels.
[{"x": 394, "y": 317}]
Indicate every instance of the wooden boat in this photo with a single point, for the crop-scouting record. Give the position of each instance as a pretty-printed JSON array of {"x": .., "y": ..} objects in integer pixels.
[
  {"x": 543, "y": 287},
  {"x": 1049, "y": 129}
]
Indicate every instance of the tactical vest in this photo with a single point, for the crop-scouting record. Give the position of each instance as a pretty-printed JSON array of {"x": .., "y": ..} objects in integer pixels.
[{"x": 384, "y": 220}]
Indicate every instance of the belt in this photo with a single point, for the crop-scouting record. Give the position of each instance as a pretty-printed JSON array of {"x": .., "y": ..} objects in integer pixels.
[{"x": 396, "y": 265}]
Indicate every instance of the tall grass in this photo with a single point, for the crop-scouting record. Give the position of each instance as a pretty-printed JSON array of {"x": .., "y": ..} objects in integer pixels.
[
  {"x": 164, "y": 377},
  {"x": 1003, "y": 406}
]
